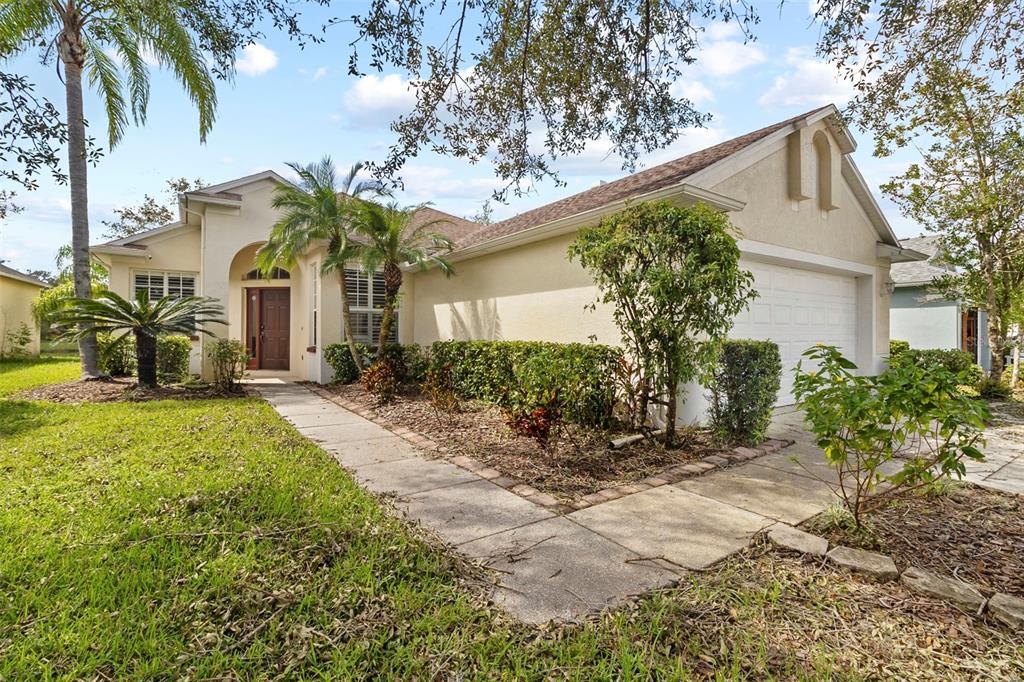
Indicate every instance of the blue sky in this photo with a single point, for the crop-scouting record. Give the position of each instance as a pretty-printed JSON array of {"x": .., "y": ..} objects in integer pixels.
[{"x": 290, "y": 104}]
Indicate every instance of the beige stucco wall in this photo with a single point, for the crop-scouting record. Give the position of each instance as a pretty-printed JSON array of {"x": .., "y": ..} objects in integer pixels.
[
  {"x": 535, "y": 292},
  {"x": 16, "y": 299}
]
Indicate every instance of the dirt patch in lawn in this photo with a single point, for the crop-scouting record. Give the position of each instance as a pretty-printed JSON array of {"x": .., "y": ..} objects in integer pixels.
[
  {"x": 122, "y": 389},
  {"x": 971, "y": 533},
  {"x": 577, "y": 462}
]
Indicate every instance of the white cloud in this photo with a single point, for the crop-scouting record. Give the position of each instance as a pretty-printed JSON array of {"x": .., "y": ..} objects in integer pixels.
[
  {"x": 319, "y": 73},
  {"x": 727, "y": 57},
  {"x": 693, "y": 90},
  {"x": 722, "y": 30},
  {"x": 430, "y": 183},
  {"x": 808, "y": 83},
  {"x": 256, "y": 60},
  {"x": 376, "y": 100}
]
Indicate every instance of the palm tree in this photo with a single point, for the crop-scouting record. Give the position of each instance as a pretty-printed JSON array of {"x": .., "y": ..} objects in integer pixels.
[
  {"x": 320, "y": 208},
  {"x": 142, "y": 319},
  {"x": 395, "y": 238},
  {"x": 83, "y": 33}
]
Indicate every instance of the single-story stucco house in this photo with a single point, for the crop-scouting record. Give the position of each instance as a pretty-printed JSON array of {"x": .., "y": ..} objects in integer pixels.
[
  {"x": 812, "y": 234},
  {"x": 924, "y": 318},
  {"x": 17, "y": 291}
]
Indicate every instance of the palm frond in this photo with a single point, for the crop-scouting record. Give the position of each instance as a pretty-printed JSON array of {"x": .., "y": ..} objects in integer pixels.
[
  {"x": 103, "y": 75},
  {"x": 22, "y": 22}
]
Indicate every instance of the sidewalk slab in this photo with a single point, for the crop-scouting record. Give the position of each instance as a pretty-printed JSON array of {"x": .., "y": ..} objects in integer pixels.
[
  {"x": 679, "y": 526},
  {"x": 323, "y": 418},
  {"x": 777, "y": 494},
  {"x": 355, "y": 454},
  {"x": 469, "y": 511},
  {"x": 556, "y": 569},
  {"x": 412, "y": 475},
  {"x": 344, "y": 433}
]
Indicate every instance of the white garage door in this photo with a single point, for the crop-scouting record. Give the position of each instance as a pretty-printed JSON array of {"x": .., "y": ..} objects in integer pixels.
[{"x": 796, "y": 309}]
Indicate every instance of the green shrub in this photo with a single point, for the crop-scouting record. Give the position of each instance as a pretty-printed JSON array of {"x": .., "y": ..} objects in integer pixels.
[
  {"x": 383, "y": 377},
  {"x": 993, "y": 389},
  {"x": 172, "y": 353},
  {"x": 957, "y": 362},
  {"x": 495, "y": 371},
  {"x": 743, "y": 391},
  {"x": 897, "y": 348},
  {"x": 413, "y": 360},
  {"x": 864, "y": 423},
  {"x": 15, "y": 342},
  {"x": 116, "y": 355},
  {"x": 229, "y": 358},
  {"x": 438, "y": 387}
]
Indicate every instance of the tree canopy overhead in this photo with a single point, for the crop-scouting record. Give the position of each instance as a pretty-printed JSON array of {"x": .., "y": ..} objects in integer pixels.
[
  {"x": 884, "y": 47},
  {"x": 522, "y": 82}
]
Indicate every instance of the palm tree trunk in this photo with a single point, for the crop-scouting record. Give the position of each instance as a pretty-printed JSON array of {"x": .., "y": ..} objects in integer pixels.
[
  {"x": 145, "y": 351},
  {"x": 392, "y": 285},
  {"x": 346, "y": 321},
  {"x": 71, "y": 53}
]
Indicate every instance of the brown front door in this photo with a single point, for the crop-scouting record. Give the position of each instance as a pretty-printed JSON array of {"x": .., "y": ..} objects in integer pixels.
[{"x": 268, "y": 312}]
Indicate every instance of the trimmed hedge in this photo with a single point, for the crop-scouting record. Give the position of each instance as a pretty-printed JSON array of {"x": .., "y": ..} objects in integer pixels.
[
  {"x": 743, "y": 390},
  {"x": 411, "y": 355},
  {"x": 172, "y": 353},
  {"x": 512, "y": 373},
  {"x": 897, "y": 348},
  {"x": 956, "y": 361},
  {"x": 117, "y": 358}
]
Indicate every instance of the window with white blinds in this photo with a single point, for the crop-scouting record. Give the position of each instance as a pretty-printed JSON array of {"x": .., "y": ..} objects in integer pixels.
[
  {"x": 160, "y": 284},
  {"x": 366, "y": 303}
]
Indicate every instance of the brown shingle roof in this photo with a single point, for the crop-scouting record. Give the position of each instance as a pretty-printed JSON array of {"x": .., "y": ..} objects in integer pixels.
[
  {"x": 451, "y": 226},
  {"x": 648, "y": 180}
]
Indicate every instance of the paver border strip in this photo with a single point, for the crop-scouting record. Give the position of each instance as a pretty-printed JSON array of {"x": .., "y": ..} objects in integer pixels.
[
  {"x": 898, "y": 578},
  {"x": 670, "y": 475}
]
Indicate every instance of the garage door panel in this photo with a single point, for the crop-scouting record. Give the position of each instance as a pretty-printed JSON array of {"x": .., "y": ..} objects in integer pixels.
[{"x": 796, "y": 309}]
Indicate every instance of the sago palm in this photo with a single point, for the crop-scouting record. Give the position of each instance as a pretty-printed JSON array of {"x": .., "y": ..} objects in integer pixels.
[
  {"x": 320, "y": 209},
  {"x": 84, "y": 34},
  {"x": 143, "y": 319},
  {"x": 395, "y": 238}
]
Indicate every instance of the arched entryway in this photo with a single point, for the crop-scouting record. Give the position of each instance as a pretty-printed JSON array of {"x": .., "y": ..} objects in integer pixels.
[{"x": 265, "y": 314}]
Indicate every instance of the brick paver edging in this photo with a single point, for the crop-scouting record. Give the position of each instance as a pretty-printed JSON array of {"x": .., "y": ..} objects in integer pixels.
[
  {"x": 673, "y": 474},
  {"x": 1004, "y": 608}
]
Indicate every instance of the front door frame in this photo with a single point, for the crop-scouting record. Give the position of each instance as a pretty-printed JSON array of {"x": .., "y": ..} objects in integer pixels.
[{"x": 253, "y": 312}]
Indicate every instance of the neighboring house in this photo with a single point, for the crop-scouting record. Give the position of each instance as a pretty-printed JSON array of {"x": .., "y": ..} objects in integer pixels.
[
  {"x": 17, "y": 291},
  {"x": 924, "y": 318},
  {"x": 816, "y": 241}
]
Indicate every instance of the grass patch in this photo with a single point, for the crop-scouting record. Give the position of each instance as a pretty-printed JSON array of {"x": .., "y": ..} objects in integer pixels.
[
  {"x": 207, "y": 539},
  {"x": 18, "y": 375}
]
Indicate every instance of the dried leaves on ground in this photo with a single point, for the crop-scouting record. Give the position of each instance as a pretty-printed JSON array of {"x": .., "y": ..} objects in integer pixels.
[
  {"x": 577, "y": 462},
  {"x": 971, "y": 533},
  {"x": 122, "y": 389}
]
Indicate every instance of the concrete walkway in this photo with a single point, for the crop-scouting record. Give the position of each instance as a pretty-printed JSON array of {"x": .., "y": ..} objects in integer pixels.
[
  {"x": 560, "y": 567},
  {"x": 1003, "y": 468}
]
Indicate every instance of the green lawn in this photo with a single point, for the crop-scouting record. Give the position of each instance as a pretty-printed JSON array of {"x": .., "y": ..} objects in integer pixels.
[
  {"x": 18, "y": 375},
  {"x": 207, "y": 539}
]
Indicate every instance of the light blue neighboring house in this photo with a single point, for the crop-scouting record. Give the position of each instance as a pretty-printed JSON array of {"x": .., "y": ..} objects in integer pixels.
[{"x": 925, "y": 318}]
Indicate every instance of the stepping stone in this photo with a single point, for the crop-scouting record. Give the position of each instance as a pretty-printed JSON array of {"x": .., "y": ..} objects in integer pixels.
[
  {"x": 468, "y": 511},
  {"x": 797, "y": 540},
  {"x": 959, "y": 593},
  {"x": 876, "y": 567},
  {"x": 558, "y": 570},
  {"x": 412, "y": 475},
  {"x": 355, "y": 454},
  {"x": 681, "y": 527},
  {"x": 769, "y": 492},
  {"x": 1007, "y": 610}
]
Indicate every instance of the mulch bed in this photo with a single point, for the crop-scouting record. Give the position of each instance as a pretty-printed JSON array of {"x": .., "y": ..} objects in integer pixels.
[
  {"x": 971, "y": 533},
  {"x": 122, "y": 389},
  {"x": 577, "y": 462}
]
